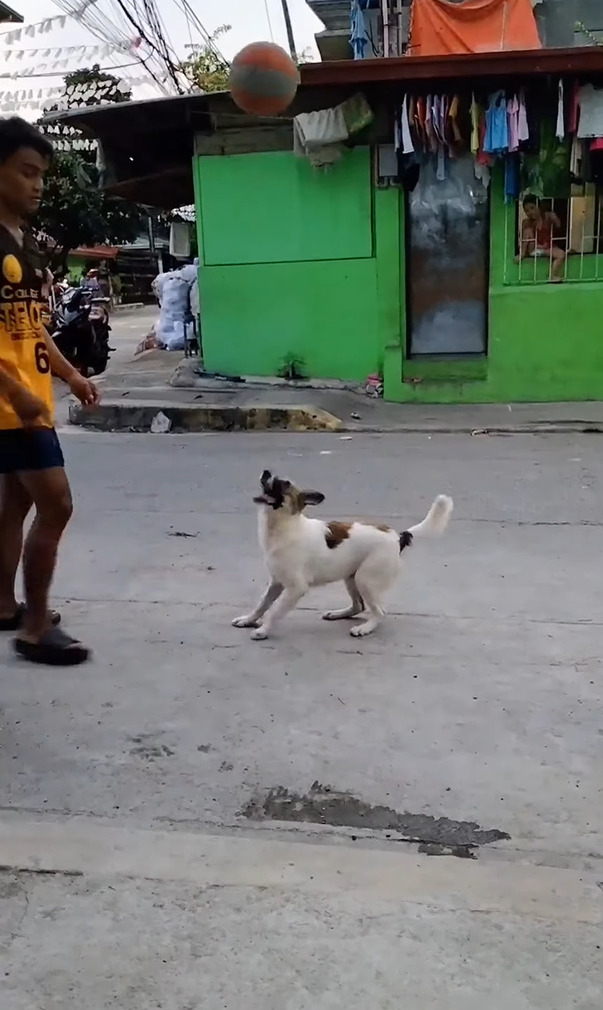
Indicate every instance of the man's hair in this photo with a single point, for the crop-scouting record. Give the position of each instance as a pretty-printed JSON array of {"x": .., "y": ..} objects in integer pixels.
[
  {"x": 529, "y": 201},
  {"x": 15, "y": 134}
]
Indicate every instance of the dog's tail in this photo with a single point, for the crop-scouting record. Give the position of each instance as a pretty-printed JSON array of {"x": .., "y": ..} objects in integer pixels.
[{"x": 434, "y": 523}]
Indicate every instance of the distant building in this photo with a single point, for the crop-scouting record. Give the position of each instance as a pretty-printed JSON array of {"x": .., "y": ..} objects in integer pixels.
[{"x": 561, "y": 24}]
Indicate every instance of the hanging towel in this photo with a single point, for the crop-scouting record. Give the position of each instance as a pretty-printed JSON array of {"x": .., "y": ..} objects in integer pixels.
[
  {"x": 406, "y": 139},
  {"x": 319, "y": 136}
]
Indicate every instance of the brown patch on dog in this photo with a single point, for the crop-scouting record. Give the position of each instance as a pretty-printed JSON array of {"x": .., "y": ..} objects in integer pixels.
[
  {"x": 382, "y": 527},
  {"x": 336, "y": 533}
]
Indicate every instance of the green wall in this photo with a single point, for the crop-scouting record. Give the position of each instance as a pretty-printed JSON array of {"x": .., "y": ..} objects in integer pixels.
[{"x": 288, "y": 265}]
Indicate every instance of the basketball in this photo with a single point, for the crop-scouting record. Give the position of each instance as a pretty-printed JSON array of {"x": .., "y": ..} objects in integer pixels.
[{"x": 263, "y": 79}]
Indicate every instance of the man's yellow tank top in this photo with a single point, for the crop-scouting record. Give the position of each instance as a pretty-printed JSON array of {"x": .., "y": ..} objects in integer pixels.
[{"x": 23, "y": 351}]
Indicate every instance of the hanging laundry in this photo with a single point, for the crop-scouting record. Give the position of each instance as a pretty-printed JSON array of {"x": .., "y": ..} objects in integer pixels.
[
  {"x": 512, "y": 178},
  {"x": 439, "y": 27},
  {"x": 591, "y": 112},
  {"x": 574, "y": 115},
  {"x": 523, "y": 129},
  {"x": 560, "y": 128},
  {"x": 406, "y": 139},
  {"x": 365, "y": 36},
  {"x": 513, "y": 123},
  {"x": 476, "y": 113},
  {"x": 497, "y": 127},
  {"x": 454, "y": 132}
]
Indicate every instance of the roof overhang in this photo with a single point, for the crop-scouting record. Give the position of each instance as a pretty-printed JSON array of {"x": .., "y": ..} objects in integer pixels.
[
  {"x": 7, "y": 14},
  {"x": 579, "y": 62}
]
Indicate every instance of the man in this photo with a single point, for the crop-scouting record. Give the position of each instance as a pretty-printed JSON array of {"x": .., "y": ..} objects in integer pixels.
[
  {"x": 537, "y": 238},
  {"x": 31, "y": 461}
]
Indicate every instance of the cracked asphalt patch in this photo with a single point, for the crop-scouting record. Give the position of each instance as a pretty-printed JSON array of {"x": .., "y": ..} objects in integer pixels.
[{"x": 324, "y": 805}]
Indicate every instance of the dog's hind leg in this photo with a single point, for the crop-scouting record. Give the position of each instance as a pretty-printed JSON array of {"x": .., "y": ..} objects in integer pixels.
[
  {"x": 286, "y": 602},
  {"x": 356, "y": 607},
  {"x": 374, "y": 577},
  {"x": 271, "y": 595}
]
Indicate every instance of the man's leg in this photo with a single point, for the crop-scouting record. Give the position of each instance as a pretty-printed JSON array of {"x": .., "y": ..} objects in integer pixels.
[
  {"x": 45, "y": 481},
  {"x": 15, "y": 503},
  {"x": 49, "y": 491}
]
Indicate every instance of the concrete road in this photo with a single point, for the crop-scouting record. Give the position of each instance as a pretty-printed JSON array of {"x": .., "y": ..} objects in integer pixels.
[{"x": 200, "y": 821}]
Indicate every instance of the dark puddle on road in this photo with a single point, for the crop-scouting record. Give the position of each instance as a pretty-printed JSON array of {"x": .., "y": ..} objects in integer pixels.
[{"x": 323, "y": 805}]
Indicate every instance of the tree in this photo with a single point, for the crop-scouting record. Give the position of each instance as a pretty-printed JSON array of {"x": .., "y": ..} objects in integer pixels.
[
  {"x": 74, "y": 211},
  {"x": 207, "y": 69}
]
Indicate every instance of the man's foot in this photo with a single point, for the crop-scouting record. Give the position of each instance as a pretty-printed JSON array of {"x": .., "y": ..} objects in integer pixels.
[
  {"x": 15, "y": 622},
  {"x": 53, "y": 648}
]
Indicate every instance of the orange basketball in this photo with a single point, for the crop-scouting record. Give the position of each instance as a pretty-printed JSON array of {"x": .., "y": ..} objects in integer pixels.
[{"x": 263, "y": 79}]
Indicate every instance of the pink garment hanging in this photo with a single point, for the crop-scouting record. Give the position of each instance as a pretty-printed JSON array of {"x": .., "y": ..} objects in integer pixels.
[
  {"x": 513, "y": 123},
  {"x": 523, "y": 130}
]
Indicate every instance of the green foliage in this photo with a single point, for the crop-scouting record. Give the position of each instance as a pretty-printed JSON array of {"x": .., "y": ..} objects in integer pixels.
[{"x": 206, "y": 69}]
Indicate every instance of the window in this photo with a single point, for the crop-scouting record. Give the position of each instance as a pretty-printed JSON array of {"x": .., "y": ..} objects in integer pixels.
[{"x": 566, "y": 244}]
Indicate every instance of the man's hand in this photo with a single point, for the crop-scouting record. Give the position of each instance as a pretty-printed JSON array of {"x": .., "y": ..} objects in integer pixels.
[
  {"x": 86, "y": 391},
  {"x": 32, "y": 411}
]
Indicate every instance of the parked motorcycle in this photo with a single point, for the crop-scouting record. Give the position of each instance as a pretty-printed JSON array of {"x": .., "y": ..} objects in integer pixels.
[{"x": 81, "y": 330}]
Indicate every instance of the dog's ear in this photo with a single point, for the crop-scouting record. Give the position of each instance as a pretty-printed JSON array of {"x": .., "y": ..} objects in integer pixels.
[
  {"x": 266, "y": 475},
  {"x": 311, "y": 497}
]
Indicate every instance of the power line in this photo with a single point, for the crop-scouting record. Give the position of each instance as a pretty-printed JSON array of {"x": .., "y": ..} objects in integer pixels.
[{"x": 269, "y": 20}]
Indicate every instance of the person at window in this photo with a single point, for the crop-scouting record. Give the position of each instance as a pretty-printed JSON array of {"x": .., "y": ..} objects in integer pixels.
[{"x": 538, "y": 237}]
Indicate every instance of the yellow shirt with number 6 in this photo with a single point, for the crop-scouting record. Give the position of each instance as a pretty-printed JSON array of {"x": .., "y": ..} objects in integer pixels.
[{"x": 23, "y": 351}]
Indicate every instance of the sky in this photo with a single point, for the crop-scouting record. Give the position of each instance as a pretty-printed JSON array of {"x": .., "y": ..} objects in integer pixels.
[{"x": 251, "y": 21}]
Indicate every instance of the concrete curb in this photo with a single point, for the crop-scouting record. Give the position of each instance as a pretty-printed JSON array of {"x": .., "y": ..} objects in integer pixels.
[
  {"x": 130, "y": 307},
  {"x": 138, "y": 415},
  {"x": 208, "y": 417}
]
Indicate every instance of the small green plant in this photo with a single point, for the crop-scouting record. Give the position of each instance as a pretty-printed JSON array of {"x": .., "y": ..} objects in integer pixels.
[{"x": 293, "y": 368}]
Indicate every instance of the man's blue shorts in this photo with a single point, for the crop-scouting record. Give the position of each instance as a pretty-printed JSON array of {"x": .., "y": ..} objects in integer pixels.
[{"x": 24, "y": 449}]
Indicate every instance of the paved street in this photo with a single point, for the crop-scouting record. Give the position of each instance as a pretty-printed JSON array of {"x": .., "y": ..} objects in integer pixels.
[{"x": 200, "y": 821}]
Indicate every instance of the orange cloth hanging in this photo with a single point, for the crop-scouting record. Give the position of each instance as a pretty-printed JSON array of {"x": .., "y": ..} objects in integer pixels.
[{"x": 439, "y": 28}]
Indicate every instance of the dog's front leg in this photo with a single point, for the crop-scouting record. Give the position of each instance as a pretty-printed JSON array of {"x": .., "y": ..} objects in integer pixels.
[
  {"x": 270, "y": 596},
  {"x": 286, "y": 602}
]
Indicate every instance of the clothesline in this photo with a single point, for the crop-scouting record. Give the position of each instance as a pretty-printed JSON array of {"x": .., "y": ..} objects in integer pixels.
[{"x": 511, "y": 125}]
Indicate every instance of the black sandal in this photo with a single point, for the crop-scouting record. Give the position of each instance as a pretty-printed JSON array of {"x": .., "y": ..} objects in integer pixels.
[
  {"x": 16, "y": 621},
  {"x": 54, "y": 648}
]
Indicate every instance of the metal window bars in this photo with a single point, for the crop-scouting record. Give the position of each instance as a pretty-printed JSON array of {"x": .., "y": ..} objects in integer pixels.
[{"x": 580, "y": 242}]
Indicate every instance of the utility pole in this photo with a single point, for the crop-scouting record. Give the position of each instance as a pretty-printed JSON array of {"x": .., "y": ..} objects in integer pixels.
[{"x": 289, "y": 28}]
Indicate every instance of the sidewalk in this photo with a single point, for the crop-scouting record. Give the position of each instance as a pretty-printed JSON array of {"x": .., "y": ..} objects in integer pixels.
[{"x": 140, "y": 389}]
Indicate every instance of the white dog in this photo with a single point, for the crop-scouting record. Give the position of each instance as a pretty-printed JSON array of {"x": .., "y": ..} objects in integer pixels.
[{"x": 302, "y": 552}]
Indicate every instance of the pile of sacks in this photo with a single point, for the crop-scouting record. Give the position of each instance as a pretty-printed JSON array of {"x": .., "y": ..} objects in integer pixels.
[{"x": 178, "y": 294}]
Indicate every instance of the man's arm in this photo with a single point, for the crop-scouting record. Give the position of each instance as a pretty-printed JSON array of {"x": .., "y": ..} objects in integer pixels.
[
  {"x": 553, "y": 219},
  {"x": 86, "y": 391},
  {"x": 58, "y": 363}
]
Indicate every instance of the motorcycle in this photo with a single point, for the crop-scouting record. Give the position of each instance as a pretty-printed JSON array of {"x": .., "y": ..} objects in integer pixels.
[{"x": 81, "y": 330}]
